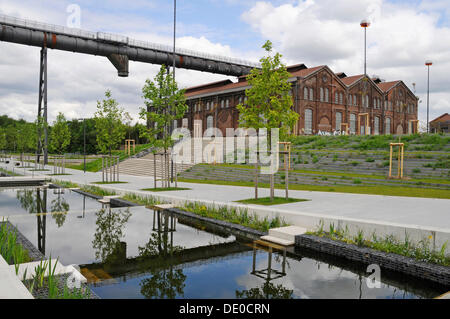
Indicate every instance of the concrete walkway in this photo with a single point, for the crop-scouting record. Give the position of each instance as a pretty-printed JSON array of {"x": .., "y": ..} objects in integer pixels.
[
  {"x": 10, "y": 285},
  {"x": 421, "y": 217}
]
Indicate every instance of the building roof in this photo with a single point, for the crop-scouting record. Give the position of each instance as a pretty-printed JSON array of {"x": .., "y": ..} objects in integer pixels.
[
  {"x": 303, "y": 73},
  {"x": 208, "y": 85},
  {"x": 350, "y": 80},
  {"x": 443, "y": 118},
  {"x": 298, "y": 70},
  {"x": 387, "y": 86},
  {"x": 191, "y": 93}
]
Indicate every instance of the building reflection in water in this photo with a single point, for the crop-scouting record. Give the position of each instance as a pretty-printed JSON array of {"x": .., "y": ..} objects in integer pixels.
[{"x": 34, "y": 201}]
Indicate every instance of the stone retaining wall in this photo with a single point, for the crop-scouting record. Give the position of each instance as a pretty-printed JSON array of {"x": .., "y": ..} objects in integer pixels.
[{"x": 388, "y": 261}]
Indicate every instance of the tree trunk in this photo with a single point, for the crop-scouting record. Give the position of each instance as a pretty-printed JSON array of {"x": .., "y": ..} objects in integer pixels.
[
  {"x": 256, "y": 179},
  {"x": 154, "y": 170}
]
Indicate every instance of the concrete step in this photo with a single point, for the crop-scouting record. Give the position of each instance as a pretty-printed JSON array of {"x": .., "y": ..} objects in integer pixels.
[
  {"x": 287, "y": 233},
  {"x": 279, "y": 241}
]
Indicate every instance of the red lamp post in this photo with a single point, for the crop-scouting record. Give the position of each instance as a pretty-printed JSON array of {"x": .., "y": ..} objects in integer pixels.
[
  {"x": 365, "y": 24},
  {"x": 428, "y": 63}
]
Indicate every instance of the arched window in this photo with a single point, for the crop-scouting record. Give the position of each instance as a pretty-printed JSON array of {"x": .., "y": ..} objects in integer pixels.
[
  {"x": 209, "y": 122},
  {"x": 350, "y": 100},
  {"x": 338, "y": 121},
  {"x": 387, "y": 128},
  {"x": 305, "y": 93},
  {"x": 327, "y": 95},
  {"x": 376, "y": 125},
  {"x": 227, "y": 103},
  {"x": 341, "y": 98},
  {"x": 311, "y": 94},
  {"x": 308, "y": 121},
  {"x": 352, "y": 123},
  {"x": 222, "y": 104},
  {"x": 321, "y": 95}
]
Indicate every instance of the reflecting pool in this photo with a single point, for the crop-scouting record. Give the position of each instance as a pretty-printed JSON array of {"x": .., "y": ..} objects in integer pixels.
[{"x": 140, "y": 253}]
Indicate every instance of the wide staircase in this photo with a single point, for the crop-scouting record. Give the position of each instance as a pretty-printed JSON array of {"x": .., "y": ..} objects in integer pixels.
[{"x": 143, "y": 164}]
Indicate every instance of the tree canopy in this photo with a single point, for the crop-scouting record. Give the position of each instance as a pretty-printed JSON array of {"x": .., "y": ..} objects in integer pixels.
[
  {"x": 269, "y": 101},
  {"x": 59, "y": 135},
  {"x": 108, "y": 123},
  {"x": 165, "y": 103}
]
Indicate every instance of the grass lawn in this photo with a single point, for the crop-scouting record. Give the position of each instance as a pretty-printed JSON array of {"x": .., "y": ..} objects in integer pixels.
[
  {"x": 370, "y": 190},
  {"x": 337, "y": 174},
  {"x": 161, "y": 189},
  {"x": 267, "y": 202}
]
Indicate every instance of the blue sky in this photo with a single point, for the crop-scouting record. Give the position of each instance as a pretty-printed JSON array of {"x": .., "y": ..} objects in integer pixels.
[{"x": 403, "y": 35}]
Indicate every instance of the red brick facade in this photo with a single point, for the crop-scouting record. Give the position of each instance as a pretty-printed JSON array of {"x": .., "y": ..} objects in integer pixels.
[{"x": 326, "y": 101}]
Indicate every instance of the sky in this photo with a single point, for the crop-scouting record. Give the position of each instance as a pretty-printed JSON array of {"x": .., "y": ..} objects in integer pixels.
[{"x": 402, "y": 36}]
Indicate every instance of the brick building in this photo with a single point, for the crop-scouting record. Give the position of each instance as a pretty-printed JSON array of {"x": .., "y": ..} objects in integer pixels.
[
  {"x": 327, "y": 102},
  {"x": 440, "y": 124}
]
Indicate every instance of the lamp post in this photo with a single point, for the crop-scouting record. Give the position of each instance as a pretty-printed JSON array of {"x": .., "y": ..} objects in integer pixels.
[
  {"x": 365, "y": 24},
  {"x": 428, "y": 63}
]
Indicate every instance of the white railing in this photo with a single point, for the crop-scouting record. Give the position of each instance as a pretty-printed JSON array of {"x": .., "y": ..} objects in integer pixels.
[{"x": 116, "y": 38}]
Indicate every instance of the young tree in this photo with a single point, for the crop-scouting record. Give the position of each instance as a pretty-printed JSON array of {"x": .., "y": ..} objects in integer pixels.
[
  {"x": 26, "y": 138},
  {"x": 60, "y": 135},
  {"x": 164, "y": 104},
  {"x": 108, "y": 122},
  {"x": 269, "y": 102}
]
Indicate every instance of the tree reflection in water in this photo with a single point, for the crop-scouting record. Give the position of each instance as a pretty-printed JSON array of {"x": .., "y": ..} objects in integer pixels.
[
  {"x": 267, "y": 291},
  {"x": 108, "y": 234},
  {"x": 59, "y": 207},
  {"x": 165, "y": 281}
]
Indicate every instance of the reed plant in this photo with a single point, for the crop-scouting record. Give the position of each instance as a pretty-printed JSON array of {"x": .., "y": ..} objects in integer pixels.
[
  {"x": 421, "y": 250},
  {"x": 10, "y": 249}
]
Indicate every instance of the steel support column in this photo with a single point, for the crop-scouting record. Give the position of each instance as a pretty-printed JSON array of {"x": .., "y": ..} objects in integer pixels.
[{"x": 42, "y": 146}]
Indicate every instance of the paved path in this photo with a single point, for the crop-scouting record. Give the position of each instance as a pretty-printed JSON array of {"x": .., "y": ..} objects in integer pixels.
[{"x": 423, "y": 212}]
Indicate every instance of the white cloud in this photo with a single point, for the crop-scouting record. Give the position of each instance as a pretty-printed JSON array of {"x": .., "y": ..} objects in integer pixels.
[{"x": 400, "y": 39}]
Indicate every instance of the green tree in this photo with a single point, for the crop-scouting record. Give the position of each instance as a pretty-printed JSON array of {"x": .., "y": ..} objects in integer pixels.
[
  {"x": 2, "y": 139},
  {"x": 26, "y": 138},
  {"x": 108, "y": 122},
  {"x": 165, "y": 103},
  {"x": 269, "y": 102},
  {"x": 60, "y": 135}
]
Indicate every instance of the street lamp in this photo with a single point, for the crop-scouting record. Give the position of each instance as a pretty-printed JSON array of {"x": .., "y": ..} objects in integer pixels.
[
  {"x": 365, "y": 24},
  {"x": 428, "y": 63}
]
